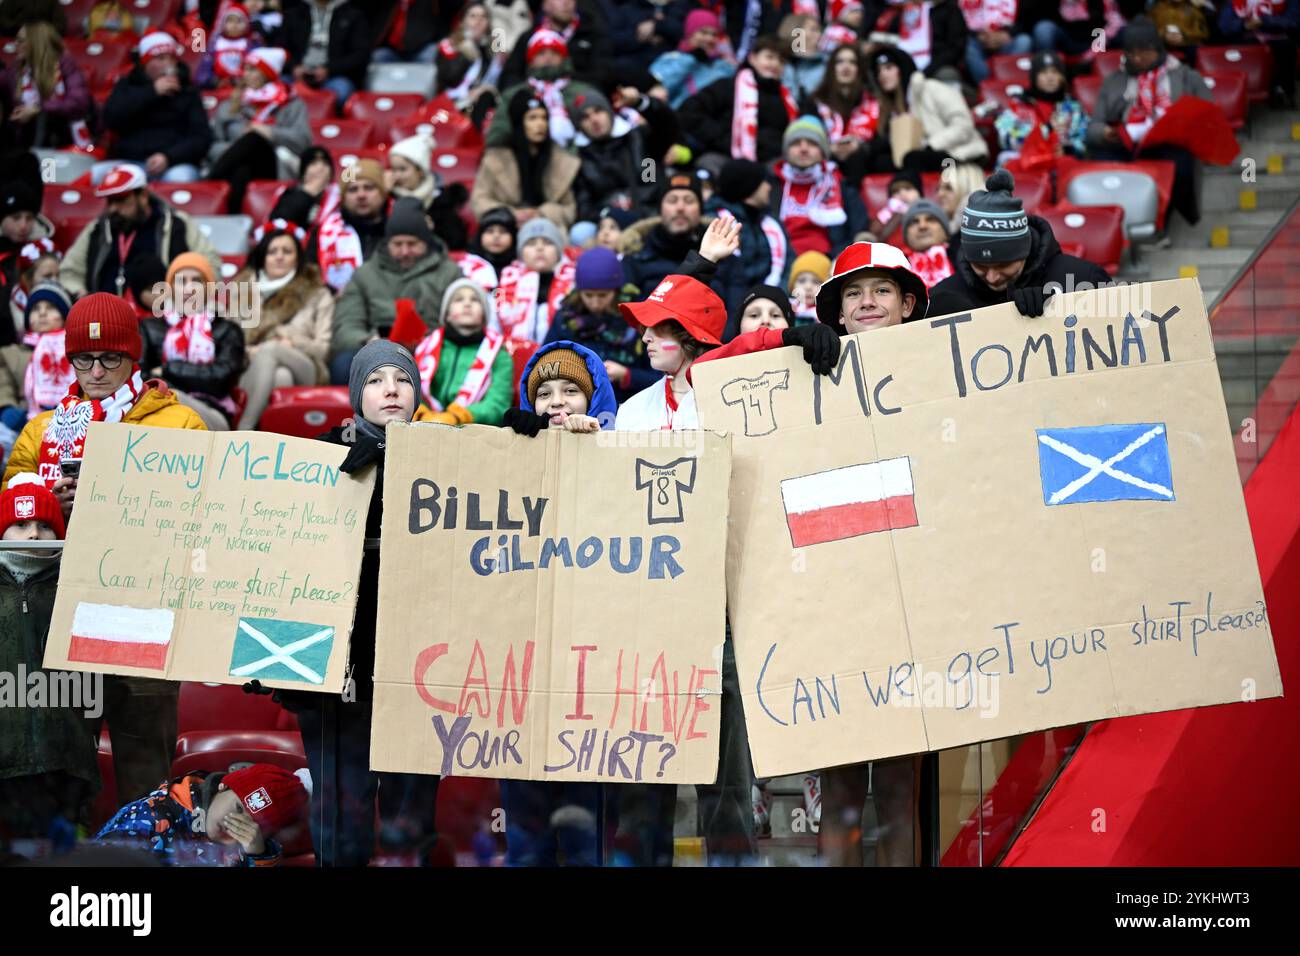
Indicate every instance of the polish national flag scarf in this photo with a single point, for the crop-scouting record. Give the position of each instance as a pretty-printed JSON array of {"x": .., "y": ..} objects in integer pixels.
[
  {"x": 519, "y": 314},
  {"x": 338, "y": 250}
]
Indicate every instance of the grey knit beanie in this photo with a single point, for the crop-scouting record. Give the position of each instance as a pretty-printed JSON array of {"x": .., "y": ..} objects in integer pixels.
[{"x": 375, "y": 355}]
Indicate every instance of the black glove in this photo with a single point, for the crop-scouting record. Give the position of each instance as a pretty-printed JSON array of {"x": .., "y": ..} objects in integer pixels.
[
  {"x": 525, "y": 422},
  {"x": 1029, "y": 300},
  {"x": 255, "y": 687},
  {"x": 820, "y": 344}
]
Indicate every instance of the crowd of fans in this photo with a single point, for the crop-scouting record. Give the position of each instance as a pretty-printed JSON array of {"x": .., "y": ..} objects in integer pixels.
[{"x": 624, "y": 141}]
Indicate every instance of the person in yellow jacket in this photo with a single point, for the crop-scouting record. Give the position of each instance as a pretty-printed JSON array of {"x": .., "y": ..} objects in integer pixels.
[{"x": 102, "y": 338}]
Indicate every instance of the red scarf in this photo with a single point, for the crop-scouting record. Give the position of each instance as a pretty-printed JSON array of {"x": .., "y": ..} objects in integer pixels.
[
  {"x": 933, "y": 265},
  {"x": 861, "y": 123},
  {"x": 189, "y": 339},
  {"x": 49, "y": 373},
  {"x": 265, "y": 100},
  {"x": 1257, "y": 9},
  {"x": 984, "y": 15},
  {"x": 1151, "y": 103},
  {"x": 228, "y": 57},
  {"x": 519, "y": 315},
  {"x": 398, "y": 30},
  {"x": 811, "y": 202},
  {"x": 744, "y": 114},
  {"x": 65, "y": 433},
  {"x": 429, "y": 353}
]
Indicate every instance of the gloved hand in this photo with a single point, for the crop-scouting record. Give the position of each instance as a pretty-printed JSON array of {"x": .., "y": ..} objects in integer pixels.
[
  {"x": 255, "y": 687},
  {"x": 525, "y": 422},
  {"x": 820, "y": 344},
  {"x": 1029, "y": 300},
  {"x": 453, "y": 414}
]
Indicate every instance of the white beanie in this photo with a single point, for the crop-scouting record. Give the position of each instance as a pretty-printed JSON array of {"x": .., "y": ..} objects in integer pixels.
[
  {"x": 269, "y": 59},
  {"x": 417, "y": 149}
]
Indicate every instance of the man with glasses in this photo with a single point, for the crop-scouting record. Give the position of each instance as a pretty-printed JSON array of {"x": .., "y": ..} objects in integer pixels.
[{"x": 103, "y": 344}]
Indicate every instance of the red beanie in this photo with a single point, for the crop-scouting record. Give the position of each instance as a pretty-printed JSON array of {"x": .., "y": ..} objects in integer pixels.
[
  {"x": 101, "y": 322},
  {"x": 27, "y": 499},
  {"x": 273, "y": 797}
]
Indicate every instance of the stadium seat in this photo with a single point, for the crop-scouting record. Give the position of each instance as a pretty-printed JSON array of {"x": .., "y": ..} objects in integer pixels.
[
  {"x": 1255, "y": 60},
  {"x": 261, "y": 196},
  {"x": 457, "y": 165},
  {"x": 1107, "y": 62},
  {"x": 63, "y": 166},
  {"x": 319, "y": 103},
  {"x": 305, "y": 410},
  {"x": 229, "y": 234},
  {"x": 70, "y": 208},
  {"x": 1229, "y": 89},
  {"x": 101, "y": 61},
  {"x": 158, "y": 14},
  {"x": 76, "y": 13},
  {"x": 1097, "y": 230},
  {"x": 1001, "y": 91},
  {"x": 875, "y": 189},
  {"x": 346, "y": 157},
  {"x": 451, "y": 128},
  {"x": 225, "y": 707},
  {"x": 207, "y": 197},
  {"x": 401, "y": 78},
  {"x": 1132, "y": 190},
  {"x": 1011, "y": 67},
  {"x": 212, "y": 99},
  {"x": 381, "y": 111},
  {"x": 230, "y": 266},
  {"x": 1161, "y": 172},
  {"x": 1034, "y": 190},
  {"x": 341, "y": 134},
  {"x": 1087, "y": 89},
  {"x": 464, "y": 805}
]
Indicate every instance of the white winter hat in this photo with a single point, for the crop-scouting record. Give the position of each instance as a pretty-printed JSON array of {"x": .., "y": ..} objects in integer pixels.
[
  {"x": 269, "y": 59},
  {"x": 417, "y": 149}
]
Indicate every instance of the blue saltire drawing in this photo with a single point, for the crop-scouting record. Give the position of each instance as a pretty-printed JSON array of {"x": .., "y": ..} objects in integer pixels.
[{"x": 1105, "y": 463}]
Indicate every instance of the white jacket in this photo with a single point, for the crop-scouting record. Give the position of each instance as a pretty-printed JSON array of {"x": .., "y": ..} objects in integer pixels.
[{"x": 647, "y": 411}]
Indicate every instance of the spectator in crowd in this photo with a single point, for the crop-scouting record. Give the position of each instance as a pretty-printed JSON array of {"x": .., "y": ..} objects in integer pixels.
[
  {"x": 697, "y": 62},
  {"x": 530, "y": 175},
  {"x": 229, "y": 43},
  {"x": 640, "y": 30},
  {"x": 932, "y": 34},
  {"x": 48, "y": 764},
  {"x": 531, "y": 289},
  {"x": 925, "y": 233},
  {"x": 745, "y": 193},
  {"x": 265, "y": 15},
  {"x": 410, "y": 173},
  {"x": 1183, "y": 24},
  {"x": 1044, "y": 120},
  {"x": 814, "y": 206},
  {"x": 581, "y": 25},
  {"x": 1132, "y": 100},
  {"x": 493, "y": 247},
  {"x": 903, "y": 190},
  {"x": 944, "y": 127},
  {"x": 655, "y": 247},
  {"x": 550, "y": 79},
  {"x": 610, "y": 223},
  {"x": 807, "y": 273},
  {"x": 157, "y": 116},
  {"x": 844, "y": 23},
  {"x": 412, "y": 264},
  {"x": 956, "y": 183},
  {"x": 613, "y": 148},
  {"x": 44, "y": 93},
  {"x": 995, "y": 28},
  {"x": 328, "y": 42},
  {"x": 590, "y": 316},
  {"x": 314, "y": 195},
  {"x": 134, "y": 223},
  {"x": 198, "y": 353},
  {"x": 744, "y": 117},
  {"x": 409, "y": 30},
  {"x": 290, "y": 341},
  {"x": 181, "y": 818},
  {"x": 469, "y": 61},
  {"x": 37, "y": 263},
  {"x": 110, "y": 18},
  {"x": 23, "y": 231},
  {"x": 348, "y": 234},
  {"x": 1067, "y": 27},
  {"x": 763, "y": 307},
  {"x": 806, "y": 66},
  {"x": 849, "y": 110},
  {"x": 36, "y": 371},
  {"x": 1275, "y": 23},
  {"x": 466, "y": 377},
  {"x": 260, "y": 129},
  {"x": 1015, "y": 266}
]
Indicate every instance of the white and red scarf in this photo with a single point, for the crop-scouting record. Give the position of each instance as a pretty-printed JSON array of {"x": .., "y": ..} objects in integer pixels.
[
  {"x": 984, "y": 15},
  {"x": 933, "y": 265},
  {"x": 338, "y": 249},
  {"x": 862, "y": 122},
  {"x": 228, "y": 57},
  {"x": 265, "y": 100},
  {"x": 519, "y": 314},
  {"x": 49, "y": 373},
  {"x": 778, "y": 247},
  {"x": 803, "y": 310},
  {"x": 475, "y": 268},
  {"x": 914, "y": 32},
  {"x": 744, "y": 114},
  {"x": 30, "y": 95},
  {"x": 65, "y": 434},
  {"x": 837, "y": 34},
  {"x": 1257, "y": 9},
  {"x": 429, "y": 353},
  {"x": 551, "y": 92},
  {"x": 189, "y": 339},
  {"x": 27, "y": 257},
  {"x": 811, "y": 203},
  {"x": 1152, "y": 102},
  {"x": 1074, "y": 11}
]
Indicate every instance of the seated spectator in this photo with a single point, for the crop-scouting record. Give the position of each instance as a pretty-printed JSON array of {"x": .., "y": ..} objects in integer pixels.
[
  {"x": 1275, "y": 23},
  {"x": 265, "y": 15},
  {"x": 492, "y": 249},
  {"x": 198, "y": 353},
  {"x": 814, "y": 205},
  {"x": 744, "y": 117},
  {"x": 328, "y": 42},
  {"x": 744, "y": 192},
  {"x": 182, "y": 817},
  {"x": 590, "y": 316},
  {"x": 229, "y": 42},
  {"x": 24, "y": 236},
  {"x": 466, "y": 377},
  {"x": 290, "y": 342},
  {"x": 1068, "y": 27},
  {"x": 314, "y": 195},
  {"x": 36, "y": 264},
  {"x": 469, "y": 66},
  {"x": 956, "y": 183},
  {"x": 933, "y": 34},
  {"x": 904, "y": 189},
  {"x": 532, "y": 288},
  {"x": 110, "y": 18},
  {"x": 1132, "y": 100},
  {"x": 582, "y": 26},
  {"x": 1014, "y": 266},
  {"x": 348, "y": 234},
  {"x": 409, "y": 30},
  {"x": 849, "y": 110},
  {"x": 46, "y": 375},
  {"x": 763, "y": 307},
  {"x": 134, "y": 223},
  {"x": 260, "y": 128},
  {"x": 530, "y": 175},
  {"x": 995, "y": 29},
  {"x": 44, "y": 93},
  {"x": 613, "y": 147},
  {"x": 1183, "y": 24},
  {"x": 550, "y": 80},
  {"x": 412, "y": 264},
  {"x": 697, "y": 62},
  {"x": 807, "y": 274},
  {"x": 1044, "y": 121},
  {"x": 806, "y": 66},
  {"x": 410, "y": 173},
  {"x": 925, "y": 234},
  {"x": 157, "y": 116},
  {"x": 946, "y": 127},
  {"x": 844, "y": 23},
  {"x": 640, "y": 30},
  {"x": 610, "y": 223},
  {"x": 655, "y": 247}
]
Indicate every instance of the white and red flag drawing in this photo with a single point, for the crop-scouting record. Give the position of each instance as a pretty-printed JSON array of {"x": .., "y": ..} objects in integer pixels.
[
  {"x": 849, "y": 501},
  {"x": 125, "y": 636}
]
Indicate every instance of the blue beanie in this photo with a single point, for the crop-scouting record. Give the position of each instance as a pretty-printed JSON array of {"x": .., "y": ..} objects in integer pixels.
[
  {"x": 50, "y": 292},
  {"x": 598, "y": 268}
]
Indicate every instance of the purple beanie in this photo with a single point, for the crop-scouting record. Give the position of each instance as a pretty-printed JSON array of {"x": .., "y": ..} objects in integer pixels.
[{"x": 598, "y": 269}]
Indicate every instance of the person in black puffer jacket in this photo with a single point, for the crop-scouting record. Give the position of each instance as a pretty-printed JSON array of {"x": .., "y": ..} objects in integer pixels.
[
  {"x": 613, "y": 149},
  {"x": 655, "y": 247}
]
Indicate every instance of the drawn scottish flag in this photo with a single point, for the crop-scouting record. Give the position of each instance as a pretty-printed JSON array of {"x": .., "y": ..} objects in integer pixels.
[
  {"x": 1105, "y": 463},
  {"x": 267, "y": 649}
]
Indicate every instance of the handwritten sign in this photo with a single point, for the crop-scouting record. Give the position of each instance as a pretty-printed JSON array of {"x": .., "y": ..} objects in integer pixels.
[
  {"x": 223, "y": 557},
  {"x": 551, "y": 608},
  {"x": 984, "y": 525}
]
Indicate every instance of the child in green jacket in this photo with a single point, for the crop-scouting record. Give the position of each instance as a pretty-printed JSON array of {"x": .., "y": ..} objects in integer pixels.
[{"x": 466, "y": 373}]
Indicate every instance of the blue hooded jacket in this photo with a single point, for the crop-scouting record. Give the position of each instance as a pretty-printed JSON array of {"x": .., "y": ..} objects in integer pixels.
[{"x": 603, "y": 405}]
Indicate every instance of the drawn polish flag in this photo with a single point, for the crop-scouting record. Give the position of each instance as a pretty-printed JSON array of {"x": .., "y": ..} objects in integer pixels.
[
  {"x": 125, "y": 636},
  {"x": 849, "y": 501}
]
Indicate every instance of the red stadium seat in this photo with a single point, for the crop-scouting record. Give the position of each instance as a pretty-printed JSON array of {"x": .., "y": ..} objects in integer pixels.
[
  {"x": 212, "y": 99},
  {"x": 207, "y": 197},
  {"x": 319, "y": 103},
  {"x": 1107, "y": 62},
  {"x": 451, "y": 128},
  {"x": 1255, "y": 60},
  {"x": 457, "y": 165},
  {"x": 230, "y": 266},
  {"x": 70, "y": 208},
  {"x": 1098, "y": 230},
  {"x": 260, "y": 198},
  {"x": 1034, "y": 190},
  {"x": 75, "y": 13},
  {"x": 1229, "y": 91},
  {"x": 464, "y": 805},
  {"x": 1086, "y": 90},
  {"x": 1001, "y": 91},
  {"x": 346, "y": 157},
  {"x": 159, "y": 13},
  {"x": 305, "y": 411},
  {"x": 101, "y": 61},
  {"x": 341, "y": 134},
  {"x": 382, "y": 110},
  {"x": 1011, "y": 67},
  {"x": 1160, "y": 170},
  {"x": 875, "y": 189},
  {"x": 226, "y": 707}
]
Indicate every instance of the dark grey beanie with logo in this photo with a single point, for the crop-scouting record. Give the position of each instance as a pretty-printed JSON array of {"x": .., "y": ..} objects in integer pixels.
[{"x": 994, "y": 224}]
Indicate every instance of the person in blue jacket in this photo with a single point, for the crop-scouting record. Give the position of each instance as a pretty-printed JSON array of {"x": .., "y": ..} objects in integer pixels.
[{"x": 697, "y": 61}]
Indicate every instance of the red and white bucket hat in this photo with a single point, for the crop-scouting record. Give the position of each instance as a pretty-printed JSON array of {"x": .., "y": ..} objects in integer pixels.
[{"x": 859, "y": 257}]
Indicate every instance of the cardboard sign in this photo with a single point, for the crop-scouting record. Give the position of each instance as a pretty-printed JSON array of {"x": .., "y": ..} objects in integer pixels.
[
  {"x": 984, "y": 525},
  {"x": 551, "y": 608},
  {"x": 211, "y": 556}
]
